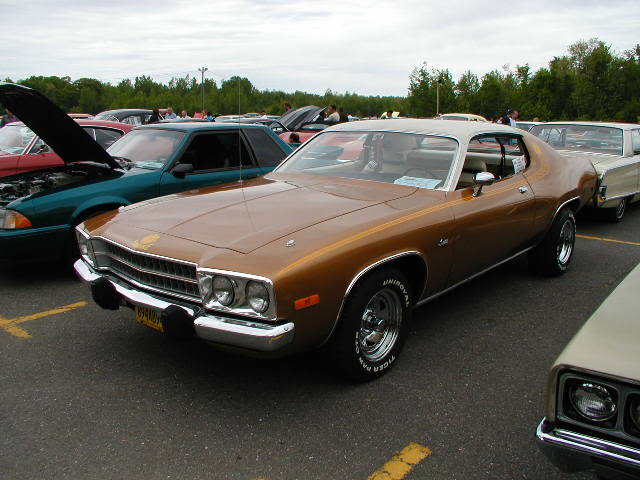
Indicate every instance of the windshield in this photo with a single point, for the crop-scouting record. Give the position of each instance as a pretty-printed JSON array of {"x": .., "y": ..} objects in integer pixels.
[
  {"x": 581, "y": 138},
  {"x": 148, "y": 148},
  {"x": 14, "y": 138},
  {"x": 454, "y": 117},
  {"x": 422, "y": 161}
]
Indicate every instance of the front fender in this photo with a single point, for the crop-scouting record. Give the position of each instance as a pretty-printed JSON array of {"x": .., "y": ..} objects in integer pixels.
[{"x": 94, "y": 203}]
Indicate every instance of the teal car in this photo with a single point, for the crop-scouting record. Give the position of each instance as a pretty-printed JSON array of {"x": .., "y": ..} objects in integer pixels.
[{"x": 39, "y": 209}]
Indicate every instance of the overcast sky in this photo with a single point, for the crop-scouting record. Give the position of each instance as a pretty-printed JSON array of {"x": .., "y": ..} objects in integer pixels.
[{"x": 368, "y": 47}]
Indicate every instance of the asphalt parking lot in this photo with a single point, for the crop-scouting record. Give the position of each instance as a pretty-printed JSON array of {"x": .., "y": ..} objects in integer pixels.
[{"x": 86, "y": 393}]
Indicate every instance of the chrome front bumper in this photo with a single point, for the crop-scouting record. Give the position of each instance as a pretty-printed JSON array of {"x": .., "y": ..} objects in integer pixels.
[
  {"x": 213, "y": 328},
  {"x": 572, "y": 451}
]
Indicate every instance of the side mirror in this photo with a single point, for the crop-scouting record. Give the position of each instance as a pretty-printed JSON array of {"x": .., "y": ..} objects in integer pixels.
[
  {"x": 181, "y": 170},
  {"x": 480, "y": 180}
]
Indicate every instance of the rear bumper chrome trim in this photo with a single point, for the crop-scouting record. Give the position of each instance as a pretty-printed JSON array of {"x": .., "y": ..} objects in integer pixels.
[{"x": 213, "y": 328}]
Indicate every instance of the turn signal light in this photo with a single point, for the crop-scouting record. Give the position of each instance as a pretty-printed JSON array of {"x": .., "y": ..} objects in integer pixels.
[
  {"x": 13, "y": 220},
  {"x": 306, "y": 302}
]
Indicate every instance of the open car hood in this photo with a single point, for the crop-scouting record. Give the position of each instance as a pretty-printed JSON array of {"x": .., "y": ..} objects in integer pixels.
[
  {"x": 294, "y": 119},
  {"x": 52, "y": 125}
]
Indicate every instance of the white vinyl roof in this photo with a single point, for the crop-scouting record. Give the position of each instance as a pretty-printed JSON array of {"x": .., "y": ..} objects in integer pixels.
[{"x": 452, "y": 128}]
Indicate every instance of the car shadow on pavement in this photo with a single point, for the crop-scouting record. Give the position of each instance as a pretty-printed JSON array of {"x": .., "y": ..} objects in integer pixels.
[{"x": 33, "y": 274}]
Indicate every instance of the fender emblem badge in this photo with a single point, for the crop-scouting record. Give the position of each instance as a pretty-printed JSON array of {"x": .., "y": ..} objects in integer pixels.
[
  {"x": 443, "y": 242},
  {"x": 290, "y": 243}
]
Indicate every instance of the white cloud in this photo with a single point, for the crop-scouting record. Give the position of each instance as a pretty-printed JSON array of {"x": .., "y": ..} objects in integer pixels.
[{"x": 362, "y": 46}]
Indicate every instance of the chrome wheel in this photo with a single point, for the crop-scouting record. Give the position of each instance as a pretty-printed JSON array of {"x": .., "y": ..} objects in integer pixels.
[
  {"x": 566, "y": 241},
  {"x": 380, "y": 324}
]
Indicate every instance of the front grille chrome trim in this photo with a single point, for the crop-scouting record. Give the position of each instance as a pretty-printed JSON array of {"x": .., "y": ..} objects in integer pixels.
[{"x": 170, "y": 276}]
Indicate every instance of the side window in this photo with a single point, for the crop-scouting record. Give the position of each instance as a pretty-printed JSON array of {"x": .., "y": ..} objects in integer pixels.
[
  {"x": 216, "y": 151},
  {"x": 106, "y": 137},
  {"x": 635, "y": 139},
  {"x": 501, "y": 155},
  {"x": 132, "y": 120},
  {"x": 267, "y": 152}
]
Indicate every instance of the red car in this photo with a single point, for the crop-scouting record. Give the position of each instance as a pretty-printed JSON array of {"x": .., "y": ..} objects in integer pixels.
[{"x": 21, "y": 150}]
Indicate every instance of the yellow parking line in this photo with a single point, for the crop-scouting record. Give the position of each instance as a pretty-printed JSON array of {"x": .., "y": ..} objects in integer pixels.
[
  {"x": 10, "y": 324},
  {"x": 402, "y": 463},
  {"x": 613, "y": 240}
]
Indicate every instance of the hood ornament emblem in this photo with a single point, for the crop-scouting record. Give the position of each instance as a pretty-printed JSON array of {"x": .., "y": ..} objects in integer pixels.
[
  {"x": 290, "y": 243},
  {"x": 146, "y": 242}
]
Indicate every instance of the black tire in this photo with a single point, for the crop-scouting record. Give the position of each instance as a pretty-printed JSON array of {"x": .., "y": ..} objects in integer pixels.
[
  {"x": 360, "y": 356},
  {"x": 616, "y": 214},
  {"x": 553, "y": 255}
]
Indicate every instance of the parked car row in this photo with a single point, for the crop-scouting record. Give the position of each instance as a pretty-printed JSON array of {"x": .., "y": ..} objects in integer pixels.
[{"x": 187, "y": 225}]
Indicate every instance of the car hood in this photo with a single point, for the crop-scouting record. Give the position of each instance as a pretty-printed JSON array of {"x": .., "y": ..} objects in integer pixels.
[
  {"x": 55, "y": 127},
  {"x": 246, "y": 218},
  {"x": 609, "y": 342},
  {"x": 294, "y": 119}
]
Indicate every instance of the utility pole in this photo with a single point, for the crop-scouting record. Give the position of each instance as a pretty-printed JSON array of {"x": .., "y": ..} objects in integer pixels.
[
  {"x": 438, "y": 97},
  {"x": 202, "y": 70}
]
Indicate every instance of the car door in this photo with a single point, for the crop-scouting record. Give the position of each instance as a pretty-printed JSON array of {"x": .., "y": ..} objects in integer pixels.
[
  {"x": 498, "y": 222},
  {"x": 216, "y": 157}
]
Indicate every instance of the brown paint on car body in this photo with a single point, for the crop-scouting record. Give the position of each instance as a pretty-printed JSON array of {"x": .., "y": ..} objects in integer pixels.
[{"x": 342, "y": 226}]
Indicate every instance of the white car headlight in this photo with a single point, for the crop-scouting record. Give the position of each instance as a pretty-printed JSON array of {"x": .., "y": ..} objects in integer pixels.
[
  {"x": 223, "y": 290},
  {"x": 592, "y": 401},
  {"x": 257, "y": 296},
  {"x": 237, "y": 293}
]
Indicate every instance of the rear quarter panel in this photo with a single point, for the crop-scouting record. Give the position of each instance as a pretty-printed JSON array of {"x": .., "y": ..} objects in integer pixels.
[{"x": 555, "y": 180}]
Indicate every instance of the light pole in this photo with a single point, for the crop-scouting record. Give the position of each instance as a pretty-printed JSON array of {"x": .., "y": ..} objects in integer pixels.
[
  {"x": 202, "y": 70},
  {"x": 438, "y": 97}
]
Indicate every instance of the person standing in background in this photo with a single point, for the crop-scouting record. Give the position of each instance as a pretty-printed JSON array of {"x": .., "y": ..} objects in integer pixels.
[
  {"x": 287, "y": 107},
  {"x": 8, "y": 118},
  {"x": 333, "y": 115},
  {"x": 343, "y": 117},
  {"x": 170, "y": 115},
  {"x": 155, "y": 116}
]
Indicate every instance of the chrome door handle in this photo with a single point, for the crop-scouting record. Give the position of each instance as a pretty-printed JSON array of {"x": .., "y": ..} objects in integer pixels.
[{"x": 523, "y": 189}]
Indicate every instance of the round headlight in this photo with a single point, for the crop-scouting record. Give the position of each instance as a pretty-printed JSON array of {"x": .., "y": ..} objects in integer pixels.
[
  {"x": 258, "y": 296},
  {"x": 206, "y": 289},
  {"x": 223, "y": 291},
  {"x": 634, "y": 412},
  {"x": 593, "y": 402}
]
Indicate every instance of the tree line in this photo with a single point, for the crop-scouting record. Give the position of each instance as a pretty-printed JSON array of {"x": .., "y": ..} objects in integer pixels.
[
  {"x": 589, "y": 82},
  {"x": 234, "y": 95}
]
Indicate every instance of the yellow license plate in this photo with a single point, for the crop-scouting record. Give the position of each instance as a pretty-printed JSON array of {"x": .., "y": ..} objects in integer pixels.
[{"x": 149, "y": 317}]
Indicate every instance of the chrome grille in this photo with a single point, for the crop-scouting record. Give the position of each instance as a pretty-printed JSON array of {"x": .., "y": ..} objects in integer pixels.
[{"x": 170, "y": 276}]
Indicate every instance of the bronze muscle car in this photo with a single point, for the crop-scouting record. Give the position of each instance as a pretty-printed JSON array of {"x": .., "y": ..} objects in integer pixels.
[
  {"x": 593, "y": 398},
  {"x": 338, "y": 244}
]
